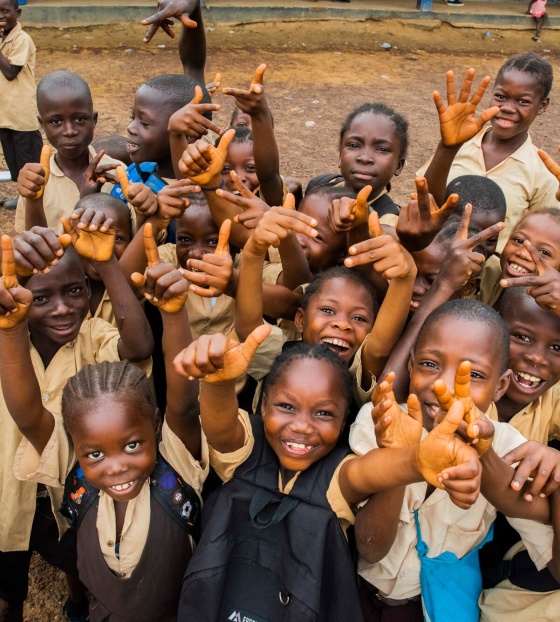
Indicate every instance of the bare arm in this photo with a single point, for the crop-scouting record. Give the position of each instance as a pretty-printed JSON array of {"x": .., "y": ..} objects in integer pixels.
[{"x": 9, "y": 71}]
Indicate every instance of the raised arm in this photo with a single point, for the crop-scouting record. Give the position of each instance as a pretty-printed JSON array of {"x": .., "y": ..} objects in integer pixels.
[
  {"x": 457, "y": 125},
  {"x": 94, "y": 241},
  {"x": 165, "y": 287},
  {"x": 265, "y": 150},
  {"x": 20, "y": 387},
  {"x": 393, "y": 263},
  {"x": 218, "y": 361}
]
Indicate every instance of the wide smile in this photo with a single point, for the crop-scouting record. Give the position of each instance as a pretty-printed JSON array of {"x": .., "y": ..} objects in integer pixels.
[
  {"x": 414, "y": 304},
  {"x": 527, "y": 383},
  {"x": 132, "y": 147},
  {"x": 337, "y": 345},
  {"x": 124, "y": 489},
  {"x": 514, "y": 269},
  {"x": 504, "y": 123},
  {"x": 433, "y": 411},
  {"x": 296, "y": 449},
  {"x": 64, "y": 329}
]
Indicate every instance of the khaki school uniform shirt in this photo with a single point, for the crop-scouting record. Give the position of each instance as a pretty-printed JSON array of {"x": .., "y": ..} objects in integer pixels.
[
  {"x": 57, "y": 460},
  {"x": 205, "y": 318},
  {"x": 18, "y": 102},
  {"x": 445, "y": 527},
  {"x": 61, "y": 195},
  {"x": 96, "y": 342},
  {"x": 538, "y": 421},
  {"x": 225, "y": 464},
  {"x": 490, "y": 289},
  {"x": 522, "y": 176}
]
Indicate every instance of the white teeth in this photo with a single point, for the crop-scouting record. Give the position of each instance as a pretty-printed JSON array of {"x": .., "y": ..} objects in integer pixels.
[
  {"x": 120, "y": 487},
  {"x": 298, "y": 445},
  {"x": 336, "y": 342},
  {"x": 534, "y": 380},
  {"x": 518, "y": 268}
]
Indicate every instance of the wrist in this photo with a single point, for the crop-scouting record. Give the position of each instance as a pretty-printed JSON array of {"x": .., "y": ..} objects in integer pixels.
[
  {"x": 16, "y": 332},
  {"x": 100, "y": 266},
  {"x": 231, "y": 287},
  {"x": 216, "y": 183}
]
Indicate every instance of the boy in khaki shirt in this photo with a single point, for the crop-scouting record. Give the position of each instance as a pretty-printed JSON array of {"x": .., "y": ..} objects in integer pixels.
[{"x": 19, "y": 130}]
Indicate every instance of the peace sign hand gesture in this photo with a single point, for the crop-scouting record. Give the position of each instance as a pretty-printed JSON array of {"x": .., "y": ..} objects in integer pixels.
[
  {"x": 421, "y": 220},
  {"x": 217, "y": 358},
  {"x": 251, "y": 205},
  {"x": 457, "y": 121}
]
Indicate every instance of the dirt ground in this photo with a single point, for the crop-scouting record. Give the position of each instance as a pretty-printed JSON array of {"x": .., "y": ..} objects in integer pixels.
[{"x": 317, "y": 73}]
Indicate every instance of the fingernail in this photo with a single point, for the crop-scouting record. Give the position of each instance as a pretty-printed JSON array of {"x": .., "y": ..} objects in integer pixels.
[
  {"x": 54, "y": 262},
  {"x": 515, "y": 485},
  {"x": 528, "y": 497},
  {"x": 59, "y": 252},
  {"x": 542, "y": 495}
]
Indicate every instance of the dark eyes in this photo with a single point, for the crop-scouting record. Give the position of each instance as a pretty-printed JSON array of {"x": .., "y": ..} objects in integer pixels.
[
  {"x": 521, "y": 337},
  {"x": 95, "y": 455},
  {"x": 132, "y": 446}
]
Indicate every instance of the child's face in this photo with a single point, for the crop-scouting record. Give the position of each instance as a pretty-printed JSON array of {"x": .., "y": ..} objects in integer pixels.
[
  {"x": 8, "y": 16},
  {"x": 484, "y": 220},
  {"x": 543, "y": 232},
  {"x": 242, "y": 119},
  {"x": 328, "y": 248},
  {"x": 148, "y": 140},
  {"x": 340, "y": 315},
  {"x": 240, "y": 159},
  {"x": 534, "y": 351},
  {"x": 115, "y": 446},
  {"x": 450, "y": 342},
  {"x": 519, "y": 97},
  {"x": 428, "y": 263},
  {"x": 69, "y": 122},
  {"x": 197, "y": 234},
  {"x": 60, "y": 303},
  {"x": 370, "y": 153},
  {"x": 303, "y": 414}
]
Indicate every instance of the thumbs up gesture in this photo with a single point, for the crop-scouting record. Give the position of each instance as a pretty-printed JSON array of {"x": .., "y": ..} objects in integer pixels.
[
  {"x": 14, "y": 300},
  {"x": 202, "y": 163},
  {"x": 217, "y": 358}
]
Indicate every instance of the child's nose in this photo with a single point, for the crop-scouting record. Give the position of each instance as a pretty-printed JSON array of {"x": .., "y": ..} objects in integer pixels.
[
  {"x": 115, "y": 467},
  {"x": 70, "y": 129},
  {"x": 341, "y": 322},
  {"x": 535, "y": 357},
  {"x": 365, "y": 155}
]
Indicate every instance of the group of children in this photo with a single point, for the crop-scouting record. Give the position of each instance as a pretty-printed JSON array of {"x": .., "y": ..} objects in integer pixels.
[{"x": 227, "y": 399}]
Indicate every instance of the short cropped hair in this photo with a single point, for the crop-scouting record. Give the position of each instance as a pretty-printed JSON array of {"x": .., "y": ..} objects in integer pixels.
[
  {"x": 476, "y": 312},
  {"x": 63, "y": 81},
  {"x": 482, "y": 193},
  {"x": 179, "y": 90}
]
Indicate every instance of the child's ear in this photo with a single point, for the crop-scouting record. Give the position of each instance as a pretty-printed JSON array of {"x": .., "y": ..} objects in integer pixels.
[
  {"x": 88, "y": 287},
  {"x": 298, "y": 320},
  {"x": 157, "y": 422},
  {"x": 18, "y": 13},
  {"x": 410, "y": 361},
  {"x": 502, "y": 385},
  {"x": 40, "y": 122},
  {"x": 400, "y": 167},
  {"x": 95, "y": 115},
  {"x": 544, "y": 105}
]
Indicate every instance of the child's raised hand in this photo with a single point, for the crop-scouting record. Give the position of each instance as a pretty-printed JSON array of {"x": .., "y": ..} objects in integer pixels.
[
  {"x": 253, "y": 101},
  {"x": 421, "y": 219},
  {"x": 142, "y": 198},
  {"x": 172, "y": 201},
  {"x": 446, "y": 462},
  {"x": 33, "y": 177},
  {"x": 38, "y": 249},
  {"x": 214, "y": 271},
  {"x": 552, "y": 166},
  {"x": 14, "y": 300},
  {"x": 478, "y": 429},
  {"x": 212, "y": 87},
  {"x": 253, "y": 207},
  {"x": 388, "y": 257},
  {"x": 96, "y": 175},
  {"x": 162, "y": 285},
  {"x": 457, "y": 121},
  {"x": 544, "y": 287},
  {"x": 394, "y": 427},
  {"x": 91, "y": 234},
  {"x": 277, "y": 223},
  {"x": 217, "y": 358},
  {"x": 202, "y": 163},
  {"x": 536, "y": 461},
  {"x": 166, "y": 10},
  {"x": 344, "y": 214},
  {"x": 462, "y": 263},
  {"x": 190, "y": 121}
]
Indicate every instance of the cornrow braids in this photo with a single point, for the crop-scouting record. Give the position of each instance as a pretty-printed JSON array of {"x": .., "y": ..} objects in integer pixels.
[
  {"x": 122, "y": 379},
  {"x": 531, "y": 63}
]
